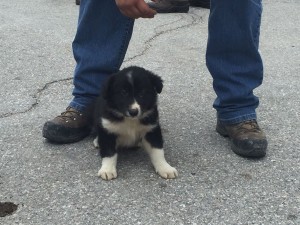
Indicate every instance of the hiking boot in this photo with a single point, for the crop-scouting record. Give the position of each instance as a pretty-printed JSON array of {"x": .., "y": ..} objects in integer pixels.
[
  {"x": 247, "y": 139},
  {"x": 70, "y": 126},
  {"x": 170, "y": 6},
  {"x": 200, "y": 3}
]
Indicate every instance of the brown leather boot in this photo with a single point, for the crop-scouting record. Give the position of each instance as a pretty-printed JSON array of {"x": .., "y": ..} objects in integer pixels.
[
  {"x": 247, "y": 139},
  {"x": 70, "y": 126},
  {"x": 170, "y": 6},
  {"x": 200, "y": 3}
]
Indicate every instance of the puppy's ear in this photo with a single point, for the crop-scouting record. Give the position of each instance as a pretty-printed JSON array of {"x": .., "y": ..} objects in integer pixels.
[
  {"x": 106, "y": 88},
  {"x": 156, "y": 81}
]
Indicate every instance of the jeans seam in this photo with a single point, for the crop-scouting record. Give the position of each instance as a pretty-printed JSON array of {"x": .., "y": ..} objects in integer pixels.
[
  {"x": 126, "y": 39},
  {"x": 257, "y": 32}
]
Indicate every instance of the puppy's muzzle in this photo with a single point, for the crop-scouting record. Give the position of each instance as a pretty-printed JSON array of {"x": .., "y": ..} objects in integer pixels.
[{"x": 133, "y": 112}]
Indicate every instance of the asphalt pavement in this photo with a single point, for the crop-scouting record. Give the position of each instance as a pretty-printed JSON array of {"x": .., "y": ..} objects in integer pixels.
[{"x": 57, "y": 184}]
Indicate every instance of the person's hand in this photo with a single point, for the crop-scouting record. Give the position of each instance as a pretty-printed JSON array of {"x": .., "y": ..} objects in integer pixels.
[{"x": 135, "y": 8}]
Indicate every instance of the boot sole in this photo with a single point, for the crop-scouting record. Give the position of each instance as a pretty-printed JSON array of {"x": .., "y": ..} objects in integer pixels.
[
  {"x": 201, "y": 5},
  {"x": 258, "y": 150},
  {"x": 62, "y": 135},
  {"x": 173, "y": 9}
]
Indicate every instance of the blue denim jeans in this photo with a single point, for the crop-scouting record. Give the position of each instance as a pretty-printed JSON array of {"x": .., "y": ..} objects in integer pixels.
[
  {"x": 99, "y": 47},
  {"x": 233, "y": 59},
  {"x": 232, "y": 56}
]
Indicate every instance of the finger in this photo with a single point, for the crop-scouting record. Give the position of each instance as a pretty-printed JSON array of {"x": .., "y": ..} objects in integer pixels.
[
  {"x": 132, "y": 12},
  {"x": 145, "y": 10},
  {"x": 136, "y": 13}
]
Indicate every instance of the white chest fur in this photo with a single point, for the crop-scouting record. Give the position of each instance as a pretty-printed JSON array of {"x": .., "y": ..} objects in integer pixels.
[{"x": 129, "y": 132}]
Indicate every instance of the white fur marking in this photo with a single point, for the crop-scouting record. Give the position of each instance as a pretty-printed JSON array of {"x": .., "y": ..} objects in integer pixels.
[
  {"x": 108, "y": 169},
  {"x": 130, "y": 131},
  {"x": 96, "y": 143},
  {"x": 159, "y": 162},
  {"x": 129, "y": 75},
  {"x": 135, "y": 105}
]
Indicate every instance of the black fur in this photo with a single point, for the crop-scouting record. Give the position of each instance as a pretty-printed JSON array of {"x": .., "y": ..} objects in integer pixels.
[{"x": 118, "y": 93}]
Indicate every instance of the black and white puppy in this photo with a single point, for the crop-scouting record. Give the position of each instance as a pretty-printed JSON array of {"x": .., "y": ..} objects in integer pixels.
[{"x": 126, "y": 115}]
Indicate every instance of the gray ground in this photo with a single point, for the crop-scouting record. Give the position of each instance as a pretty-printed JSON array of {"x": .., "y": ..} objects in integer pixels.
[{"x": 57, "y": 184}]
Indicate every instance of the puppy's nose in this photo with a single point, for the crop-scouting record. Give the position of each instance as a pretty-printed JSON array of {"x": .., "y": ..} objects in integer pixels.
[{"x": 133, "y": 112}]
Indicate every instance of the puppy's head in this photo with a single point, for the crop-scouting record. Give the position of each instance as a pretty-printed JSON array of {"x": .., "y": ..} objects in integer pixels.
[{"x": 132, "y": 91}]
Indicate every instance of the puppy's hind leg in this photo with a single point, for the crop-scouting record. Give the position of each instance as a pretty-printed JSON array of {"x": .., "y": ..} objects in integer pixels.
[
  {"x": 153, "y": 144},
  {"x": 96, "y": 143}
]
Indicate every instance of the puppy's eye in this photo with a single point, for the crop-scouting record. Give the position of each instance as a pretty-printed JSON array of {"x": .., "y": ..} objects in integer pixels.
[
  {"x": 142, "y": 93},
  {"x": 124, "y": 92}
]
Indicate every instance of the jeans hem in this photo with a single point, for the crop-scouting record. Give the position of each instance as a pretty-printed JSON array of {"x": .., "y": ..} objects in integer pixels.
[
  {"x": 78, "y": 107},
  {"x": 238, "y": 119}
]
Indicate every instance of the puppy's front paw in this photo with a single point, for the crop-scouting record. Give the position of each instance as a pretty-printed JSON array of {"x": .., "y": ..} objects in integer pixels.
[
  {"x": 108, "y": 170},
  {"x": 166, "y": 171},
  {"x": 107, "y": 173}
]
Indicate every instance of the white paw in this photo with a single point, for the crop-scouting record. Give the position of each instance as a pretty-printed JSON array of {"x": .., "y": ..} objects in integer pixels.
[
  {"x": 166, "y": 171},
  {"x": 107, "y": 173},
  {"x": 96, "y": 143},
  {"x": 108, "y": 170}
]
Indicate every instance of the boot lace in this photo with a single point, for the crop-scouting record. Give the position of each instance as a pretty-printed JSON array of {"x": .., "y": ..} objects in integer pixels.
[
  {"x": 248, "y": 126},
  {"x": 70, "y": 114}
]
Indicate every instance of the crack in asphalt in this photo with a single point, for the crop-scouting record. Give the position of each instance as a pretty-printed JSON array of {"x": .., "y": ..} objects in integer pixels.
[
  {"x": 148, "y": 42},
  {"x": 148, "y": 46},
  {"x": 36, "y": 96}
]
